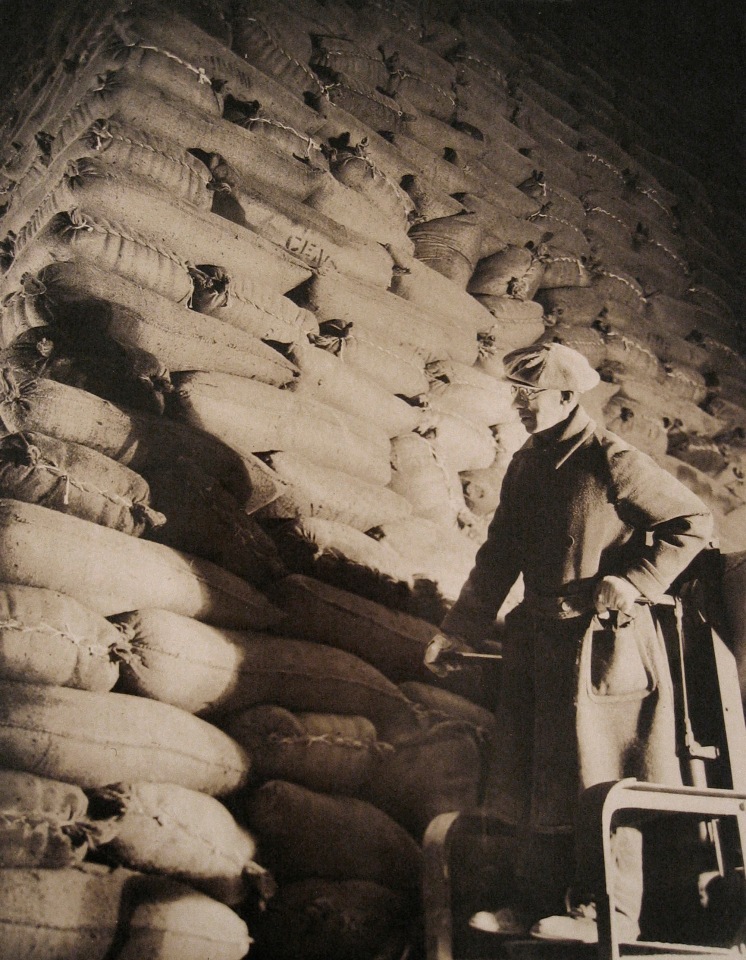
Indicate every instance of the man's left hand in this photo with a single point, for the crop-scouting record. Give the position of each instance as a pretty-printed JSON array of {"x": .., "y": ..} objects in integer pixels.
[{"x": 616, "y": 593}]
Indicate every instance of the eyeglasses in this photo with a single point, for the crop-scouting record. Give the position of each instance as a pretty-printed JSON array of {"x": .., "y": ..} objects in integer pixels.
[{"x": 524, "y": 392}]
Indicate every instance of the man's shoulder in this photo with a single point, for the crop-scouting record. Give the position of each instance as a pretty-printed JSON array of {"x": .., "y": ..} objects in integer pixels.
[
  {"x": 618, "y": 452},
  {"x": 611, "y": 443}
]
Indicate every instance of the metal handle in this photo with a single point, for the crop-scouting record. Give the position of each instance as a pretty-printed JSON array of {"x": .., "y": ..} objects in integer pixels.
[{"x": 468, "y": 655}]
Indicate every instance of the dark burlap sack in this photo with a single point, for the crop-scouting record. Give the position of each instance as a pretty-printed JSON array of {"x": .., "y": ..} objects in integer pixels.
[
  {"x": 344, "y": 557},
  {"x": 391, "y": 641},
  {"x": 320, "y": 919},
  {"x": 330, "y": 753},
  {"x": 305, "y": 834},
  {"x": 437, "y": 770},
  {"x": 204, "y": 519},
  {"x": 445, "y": 705}
]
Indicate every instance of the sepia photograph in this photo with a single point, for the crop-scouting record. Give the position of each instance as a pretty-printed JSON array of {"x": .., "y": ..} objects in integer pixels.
[{"x": 372, "y": 480}]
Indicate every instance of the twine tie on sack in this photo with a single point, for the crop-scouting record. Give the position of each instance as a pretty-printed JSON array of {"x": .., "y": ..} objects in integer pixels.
[
  {"x": 220, "y": 186},
  {"x": 333, "y": 342},
  {"x": 222, "y": 292},
  {"x": 103, "y": 81},
  {"x": 98, "y": 134},
  {"x": 199, "y": 72},
  {"x": 31, "y": 287},
  {"x": 398, "y": 270},
  {"x": 216, "y": 285},
  {"x": 454, "y": 500},
  {"x": 12, "y": 393},
  {"x": 83, "y": 642},
  {"x": 32, "y": 456},
  {"x": 487, "y": 344},
  {"x": 288, "y": 56},
  {"x": 8, "y": 249},
  {"x": 615, "y": 276},
  {"x": 331, "y": 739},
  {"x": 74, "y": 220},
  {"x": 77, "y": 171},
  {"x": 310, "y": 143},
  {"x": 84, "y": 835},
  {"x": 336, "y": 344},
  {"x": 126, "y": 651},
  {"x": 594, "y": 157},
  {"x": 536, "y": 180},
  {"x": 517, "y": 288},
  {"x": 359, "y": 154}
]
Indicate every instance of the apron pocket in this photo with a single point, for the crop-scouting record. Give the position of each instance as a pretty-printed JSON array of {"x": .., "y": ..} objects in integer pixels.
[{"x": 619, "y": 668}]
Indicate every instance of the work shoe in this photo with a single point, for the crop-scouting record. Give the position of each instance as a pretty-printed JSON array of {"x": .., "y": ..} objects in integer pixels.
[
  {"x": 578, "y": 925},
  {"x": 506, "y": 922}
]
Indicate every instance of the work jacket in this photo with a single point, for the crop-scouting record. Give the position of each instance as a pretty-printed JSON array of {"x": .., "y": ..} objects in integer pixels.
[{"x": 579, "y": 704}]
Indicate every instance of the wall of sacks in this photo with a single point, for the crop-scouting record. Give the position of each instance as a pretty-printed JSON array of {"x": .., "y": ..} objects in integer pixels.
[{"x": 260, "y": 264}]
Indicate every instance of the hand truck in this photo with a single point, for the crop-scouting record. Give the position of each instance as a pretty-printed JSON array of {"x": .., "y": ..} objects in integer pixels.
[{"x": 460, "y": 848}]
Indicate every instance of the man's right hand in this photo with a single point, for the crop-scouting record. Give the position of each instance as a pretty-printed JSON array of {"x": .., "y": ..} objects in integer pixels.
[
  {"x": 439, "y": 652},
  {"x": 616, "y": 593}
]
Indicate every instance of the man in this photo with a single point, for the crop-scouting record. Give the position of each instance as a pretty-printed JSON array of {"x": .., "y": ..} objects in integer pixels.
[{"x": 597, "y": 530}]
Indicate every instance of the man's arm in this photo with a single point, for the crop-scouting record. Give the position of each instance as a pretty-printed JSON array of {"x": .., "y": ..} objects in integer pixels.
[
  {"x": 679, "y": 524},
  {"x": 496, "y": 568}
]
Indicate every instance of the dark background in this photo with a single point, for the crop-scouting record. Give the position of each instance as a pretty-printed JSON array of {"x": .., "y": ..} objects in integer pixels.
[{"x": 686, "y": 57}]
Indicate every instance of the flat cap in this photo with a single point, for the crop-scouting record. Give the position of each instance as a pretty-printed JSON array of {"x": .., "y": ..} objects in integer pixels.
[{"x": 550, "y": 366}]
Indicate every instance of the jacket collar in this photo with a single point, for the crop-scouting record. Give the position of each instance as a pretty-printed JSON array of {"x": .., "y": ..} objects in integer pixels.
[{"x": 561, "y": 441}]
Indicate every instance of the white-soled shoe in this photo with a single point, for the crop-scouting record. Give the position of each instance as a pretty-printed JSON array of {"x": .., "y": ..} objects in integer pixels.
[
  {"x": 506, "y": 922},
  {"x": 578, "y": 925}
]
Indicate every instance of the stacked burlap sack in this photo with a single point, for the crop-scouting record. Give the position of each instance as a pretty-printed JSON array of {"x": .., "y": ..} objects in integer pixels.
[{"x": 260, "y": 265}]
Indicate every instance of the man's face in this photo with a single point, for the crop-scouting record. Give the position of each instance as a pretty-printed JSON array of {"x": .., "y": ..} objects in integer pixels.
[{"x": 541, "y": 409}]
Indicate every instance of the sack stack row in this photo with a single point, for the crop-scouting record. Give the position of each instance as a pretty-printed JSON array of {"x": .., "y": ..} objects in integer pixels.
[
  {"x": 160, "y": 393},
  {"x": 260, "y": 265}
]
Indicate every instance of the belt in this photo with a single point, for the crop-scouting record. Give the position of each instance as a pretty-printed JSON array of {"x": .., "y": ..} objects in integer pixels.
[{"x": 561, "y": 606}]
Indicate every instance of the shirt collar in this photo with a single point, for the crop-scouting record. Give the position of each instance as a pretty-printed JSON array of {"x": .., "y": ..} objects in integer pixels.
[{"x": 564, "y": 438}]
